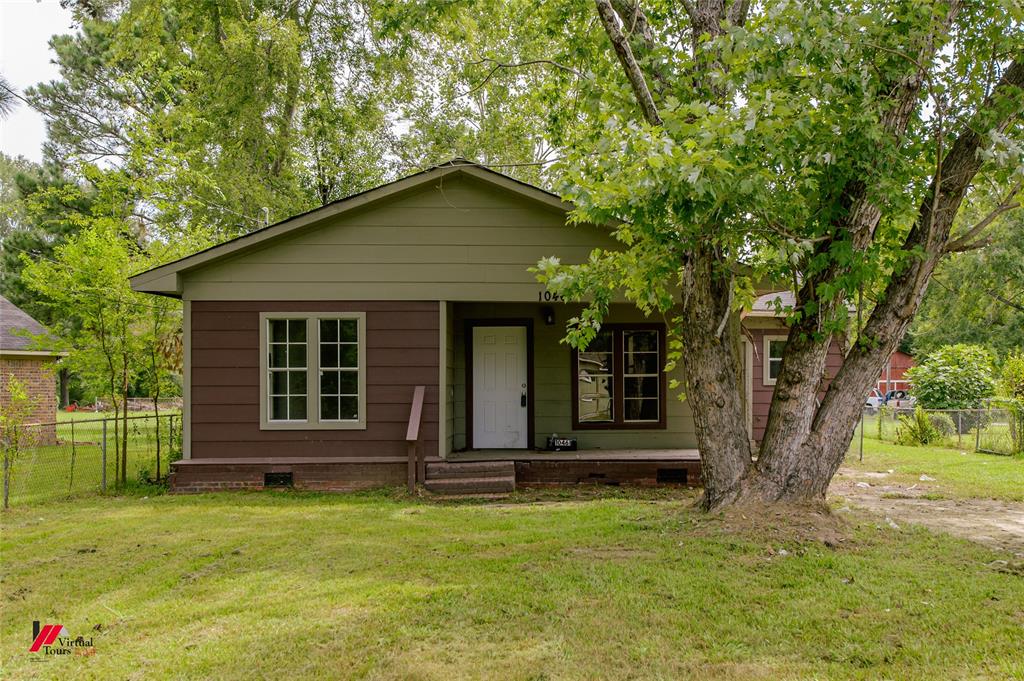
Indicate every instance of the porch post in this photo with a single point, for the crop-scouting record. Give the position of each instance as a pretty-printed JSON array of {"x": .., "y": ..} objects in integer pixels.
[{"x": 442, "y": 379}]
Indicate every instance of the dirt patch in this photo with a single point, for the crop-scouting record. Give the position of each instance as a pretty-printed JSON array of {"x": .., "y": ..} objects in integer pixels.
[
  {"x": 779, "y": 525},
  {"x": 998, "y": 524}
]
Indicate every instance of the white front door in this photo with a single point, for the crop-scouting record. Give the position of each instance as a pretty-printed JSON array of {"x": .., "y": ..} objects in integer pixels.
[{"x": 499, "y": 387}]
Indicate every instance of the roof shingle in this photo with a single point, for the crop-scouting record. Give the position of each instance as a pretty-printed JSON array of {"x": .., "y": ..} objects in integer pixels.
[{"x": 18, "y": 331}]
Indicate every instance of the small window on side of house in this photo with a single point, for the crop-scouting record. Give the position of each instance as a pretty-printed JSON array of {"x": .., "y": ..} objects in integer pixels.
[{"x": 774, "y": 347}]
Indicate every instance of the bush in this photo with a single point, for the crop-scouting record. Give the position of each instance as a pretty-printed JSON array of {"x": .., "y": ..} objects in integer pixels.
[
  {"x": 943, "y": 424},
  {"x": 953, "y": 377},
  {"x": 1011, "y": 381},
  {"x": 918, "y": 428}
]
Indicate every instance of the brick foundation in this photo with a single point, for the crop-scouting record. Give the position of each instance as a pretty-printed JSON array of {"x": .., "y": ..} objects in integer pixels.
[{"x": 194, "y": 475}]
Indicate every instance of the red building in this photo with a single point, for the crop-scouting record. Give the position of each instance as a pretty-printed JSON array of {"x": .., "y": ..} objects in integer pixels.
[{"x": 893, "y": 376}]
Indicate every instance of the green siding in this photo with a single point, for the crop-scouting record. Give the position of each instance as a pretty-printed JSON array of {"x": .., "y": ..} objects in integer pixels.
[{"x": 457, "y": 239}]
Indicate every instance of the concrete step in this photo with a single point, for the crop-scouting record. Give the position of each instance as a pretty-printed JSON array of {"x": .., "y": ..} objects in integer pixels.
[
  {"x": 470, "y": 469},
  {"x": 472, "y": 486}
]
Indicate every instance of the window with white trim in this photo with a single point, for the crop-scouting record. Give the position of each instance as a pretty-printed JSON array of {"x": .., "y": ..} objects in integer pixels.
[
  {"x": 774, "y": 347},
  {"x": 288, "y": 367},
  {"x": 339, "y": 369},
  {"x": 313, "y": 372}
]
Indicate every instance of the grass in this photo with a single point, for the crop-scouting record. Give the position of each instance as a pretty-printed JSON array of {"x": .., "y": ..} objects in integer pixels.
[
  {"x": 619, "y": 584},
  {"x": 957, "y": 474},
  {"x": 994, "y": 435}
]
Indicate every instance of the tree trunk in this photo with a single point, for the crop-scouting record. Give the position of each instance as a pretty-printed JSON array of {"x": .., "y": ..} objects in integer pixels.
[
  {"x": 804, "y": 450},
  {"x": 65, "y": 388},
  {"x": 711, "y": 368}
]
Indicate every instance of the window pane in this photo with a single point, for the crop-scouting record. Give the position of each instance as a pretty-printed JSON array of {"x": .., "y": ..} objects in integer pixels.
[
  {"x": 642, "y": 363},
  {"x": 595, "y": 362},
  {"x": 278, "y": 382},
  {"x": 328, "y": 330},
  {"x": 279, "y": 408},
  {"x": 597, "y": 410},
  {"x": 641, "y": 387},
  {"x": 297, "y": 356},
  {"x": 329, "y": 408},
  {"x": 278, "y": 330},
  {"x": 329, "y": 383},
  {"x": 773, "y": 367},
  {"x": 641, "y": 410},
  {"x": 640, "y": 341},
  {"x": 349, "y": 356},
  {"x": 349, "y": 383},
  {"x": 297, "y": 408},
  {"x": 349, "y": 328},
  {"x": 595, "y": 395},
  {"x": 776, "y": 348},
  {"x": 296, "y": 382},
  {"x": 602, "y": 342},
  {"x": 297, "y": 331},
  {"x": 349, "y": 408},
  {"x": 328, "y": 355},
  {"x": 278, "y": 356}
]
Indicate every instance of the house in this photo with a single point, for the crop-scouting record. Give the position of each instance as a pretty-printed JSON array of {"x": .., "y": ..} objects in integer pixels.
[
  {"x": 894, "y": 375},
  {"x": 30, "y": 354},
  {"x": 315, "y": 347}
]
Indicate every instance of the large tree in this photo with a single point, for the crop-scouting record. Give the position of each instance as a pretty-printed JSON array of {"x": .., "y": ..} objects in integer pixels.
[{"x": 830, "y": 145}]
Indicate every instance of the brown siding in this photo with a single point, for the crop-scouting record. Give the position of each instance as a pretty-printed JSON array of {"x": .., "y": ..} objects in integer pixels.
[
  {"x": 401, "y": 353},
  {"x": 763, "y": 393}
]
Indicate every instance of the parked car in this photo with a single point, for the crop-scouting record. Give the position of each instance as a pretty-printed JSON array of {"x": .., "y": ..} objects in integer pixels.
[
  {"x": 874, "y": 401},
  {"x": 900, "y": 400}
]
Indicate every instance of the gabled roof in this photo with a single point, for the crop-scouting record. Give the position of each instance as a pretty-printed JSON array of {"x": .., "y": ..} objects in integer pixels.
[
  {"x": 766, "y": 305},
  {"x": 165, "y": 279},
  {"x": 19, "y": 332}
]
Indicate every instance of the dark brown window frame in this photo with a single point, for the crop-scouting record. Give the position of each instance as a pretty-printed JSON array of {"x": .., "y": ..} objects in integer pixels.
[{"x": 618, "y": 398}]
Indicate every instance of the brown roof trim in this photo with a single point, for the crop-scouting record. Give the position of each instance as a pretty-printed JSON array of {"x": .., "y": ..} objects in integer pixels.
[{"x": 149, "y": 281}]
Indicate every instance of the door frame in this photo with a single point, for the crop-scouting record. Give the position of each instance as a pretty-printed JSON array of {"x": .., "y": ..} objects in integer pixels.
[{"x": 471, "y": 324}]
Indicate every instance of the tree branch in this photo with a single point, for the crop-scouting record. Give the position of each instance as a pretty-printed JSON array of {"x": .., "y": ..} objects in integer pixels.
[
  {"x": 635, "y": 76},
  {"x": 972, "y": 238},
  {"x": 513, "y": 65}
]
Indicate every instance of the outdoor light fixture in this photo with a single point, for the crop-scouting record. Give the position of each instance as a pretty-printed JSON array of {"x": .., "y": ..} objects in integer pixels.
[{"x": 549, "y": 315}]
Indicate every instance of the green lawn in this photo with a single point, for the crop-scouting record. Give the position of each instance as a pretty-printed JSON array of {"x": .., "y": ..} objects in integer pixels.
[
  {"x": 957, "y": 473},
  {"x": 620, "y": 584}
]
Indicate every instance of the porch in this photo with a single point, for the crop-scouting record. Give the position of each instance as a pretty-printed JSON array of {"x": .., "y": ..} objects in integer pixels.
[{"x": 508, "y": 384}]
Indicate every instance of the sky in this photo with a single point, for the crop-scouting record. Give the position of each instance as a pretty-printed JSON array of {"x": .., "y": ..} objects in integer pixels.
[{"x": 25, "y": 30}]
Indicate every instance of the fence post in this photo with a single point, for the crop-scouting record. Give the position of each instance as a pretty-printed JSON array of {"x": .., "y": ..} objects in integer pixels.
[
  {"x": 959, "y": 429},
  {"x": 71, "y": 478},
  {"x": 103, "y": 480},
  {"x": 977, "y": 432},
  {"x": 862, "y": 434}
]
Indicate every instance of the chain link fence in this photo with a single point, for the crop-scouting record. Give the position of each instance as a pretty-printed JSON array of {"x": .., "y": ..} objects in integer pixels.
[
  {"x": 88, "y": 455},
  {"x": 991, "y": 430}
]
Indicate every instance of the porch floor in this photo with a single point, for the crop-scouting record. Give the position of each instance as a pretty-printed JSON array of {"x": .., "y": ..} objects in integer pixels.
[{"x": 583, "y": 455}]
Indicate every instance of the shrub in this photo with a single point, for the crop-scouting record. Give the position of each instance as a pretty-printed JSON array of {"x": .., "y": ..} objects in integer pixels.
[
  {"x": 953, "y": 377},
  {"x": 918, "y": 429},
  {"x": 1011, "y": 380},
  {"x": 943, "y": 424}
]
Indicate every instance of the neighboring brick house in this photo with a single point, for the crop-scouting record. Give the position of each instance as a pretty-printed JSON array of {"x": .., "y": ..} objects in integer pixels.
[{"x": 33, "y": 362}]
